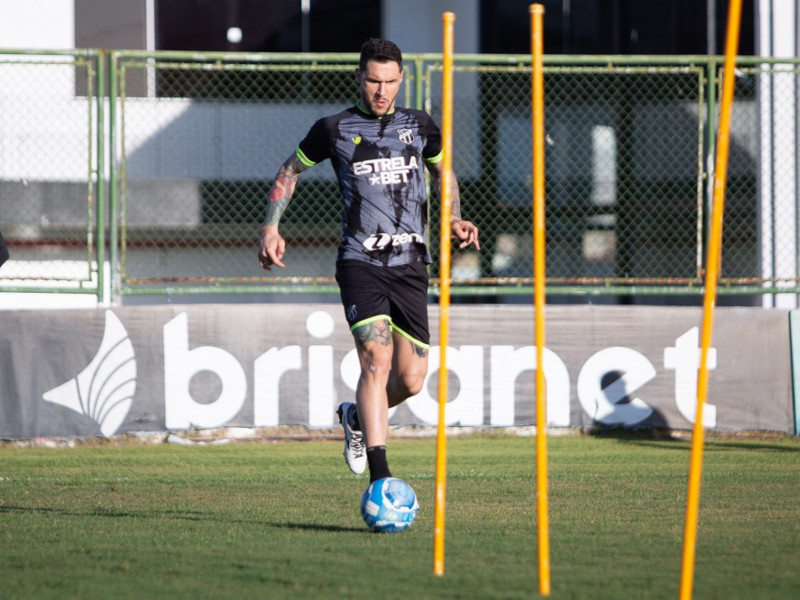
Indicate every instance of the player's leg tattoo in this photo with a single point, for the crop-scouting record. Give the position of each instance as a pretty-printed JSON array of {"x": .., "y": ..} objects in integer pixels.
[{"x": 375, "y": 331}]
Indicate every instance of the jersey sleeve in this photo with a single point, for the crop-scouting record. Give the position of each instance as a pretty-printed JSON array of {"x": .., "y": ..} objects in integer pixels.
[
  {"x": 432, "y": 152},
  {"x": 315, "y": 147}
]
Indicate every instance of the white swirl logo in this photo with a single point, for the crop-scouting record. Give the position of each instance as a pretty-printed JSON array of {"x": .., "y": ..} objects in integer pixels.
[{"x": 104, "y": 390}]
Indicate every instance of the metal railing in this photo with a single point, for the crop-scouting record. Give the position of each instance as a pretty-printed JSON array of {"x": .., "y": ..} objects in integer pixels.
[
  {"x": 52, "y": 192},
  {"x": 193, "y": 141}
]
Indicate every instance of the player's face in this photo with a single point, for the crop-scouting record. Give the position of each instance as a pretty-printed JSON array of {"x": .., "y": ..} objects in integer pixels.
[{"x": 379, "y": 84}]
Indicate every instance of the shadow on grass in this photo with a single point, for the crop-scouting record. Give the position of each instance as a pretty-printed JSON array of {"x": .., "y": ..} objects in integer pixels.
[
  {"x": 714, "y": 442},
  {"x": 318, "y": 527},
  {"x": 101, "y": 511},
  {"x": 189, "y": 515}
]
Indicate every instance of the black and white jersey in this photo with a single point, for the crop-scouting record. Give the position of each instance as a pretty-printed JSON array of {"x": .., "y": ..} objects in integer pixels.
[{"x": 379, "y": 165}]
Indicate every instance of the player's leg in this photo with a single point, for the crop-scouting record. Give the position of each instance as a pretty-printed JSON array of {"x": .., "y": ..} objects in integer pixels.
[
  {"x": 366, "y": 305},
  {"x": 409, "y": 368},
  {"x": 370, "y": 295},
  {"x": 409, "y": 312},
  {"x": 374, "y": 344},
  {"x": 408, "y": 296}
]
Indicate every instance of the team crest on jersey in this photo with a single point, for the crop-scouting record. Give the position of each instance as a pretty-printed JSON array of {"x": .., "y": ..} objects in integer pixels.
[{"x": 406, "y": 136}]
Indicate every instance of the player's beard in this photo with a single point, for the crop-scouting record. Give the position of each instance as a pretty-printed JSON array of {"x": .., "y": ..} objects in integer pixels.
[{"x": 377, "y": 106}]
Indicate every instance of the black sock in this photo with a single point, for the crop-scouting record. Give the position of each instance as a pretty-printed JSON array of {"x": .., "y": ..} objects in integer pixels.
[{"x": 376, "y": 458}]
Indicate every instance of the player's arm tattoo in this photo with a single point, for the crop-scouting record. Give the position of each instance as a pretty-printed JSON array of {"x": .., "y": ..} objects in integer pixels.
[
  {"x": 375, "y": 331},
  {"x": 455, "y": 199},
  {"x": 455, "y": 195},
  {"x": 283, "y": 188}
]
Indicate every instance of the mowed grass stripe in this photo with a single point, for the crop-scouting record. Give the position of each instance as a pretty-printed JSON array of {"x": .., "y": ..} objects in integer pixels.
[{"x": 281, "y": 520}]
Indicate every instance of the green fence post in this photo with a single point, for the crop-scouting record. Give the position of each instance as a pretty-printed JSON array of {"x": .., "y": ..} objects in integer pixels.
[
  {"x": 794, "y": 351},
  {"x": 113, "y": 188},
  {"x": 711, "y": 140},
  {"x": 100, "y": 179}
]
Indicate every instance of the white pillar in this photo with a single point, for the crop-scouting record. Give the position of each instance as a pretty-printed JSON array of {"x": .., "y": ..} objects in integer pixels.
[{"x": 777, "y": 37}]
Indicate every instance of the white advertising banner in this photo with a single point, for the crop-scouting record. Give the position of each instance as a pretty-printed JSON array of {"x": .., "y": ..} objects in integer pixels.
[{"x": 157, "y": 368}]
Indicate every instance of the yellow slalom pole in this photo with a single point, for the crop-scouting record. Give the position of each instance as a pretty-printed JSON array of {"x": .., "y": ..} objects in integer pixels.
[
  {"x": 448, "y": 19},
  {"x": 714, "y": 255},
  {"x": 537, "y": 118}
]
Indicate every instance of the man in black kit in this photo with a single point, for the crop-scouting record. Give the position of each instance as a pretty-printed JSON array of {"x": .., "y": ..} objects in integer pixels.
[{"x": 378, "y": 152}]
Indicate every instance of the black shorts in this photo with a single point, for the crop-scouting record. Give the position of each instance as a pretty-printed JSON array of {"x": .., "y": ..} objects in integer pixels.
[{"x": 399, "y": 294}]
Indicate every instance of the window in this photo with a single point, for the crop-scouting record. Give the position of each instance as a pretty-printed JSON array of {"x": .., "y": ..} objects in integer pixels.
[{"x": 612, "y": 27}]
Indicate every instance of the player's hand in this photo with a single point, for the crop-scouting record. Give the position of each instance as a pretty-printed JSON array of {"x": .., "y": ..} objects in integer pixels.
[
  {"x": 271, "y": 248},
  {"x": 466, "y": 232}
]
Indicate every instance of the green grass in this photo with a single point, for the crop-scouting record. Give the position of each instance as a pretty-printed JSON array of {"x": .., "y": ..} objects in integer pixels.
[{"x": 281, "y": 520}]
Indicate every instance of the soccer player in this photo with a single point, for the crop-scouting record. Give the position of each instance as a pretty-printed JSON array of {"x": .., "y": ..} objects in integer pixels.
[{"x": 378, "y": 152}]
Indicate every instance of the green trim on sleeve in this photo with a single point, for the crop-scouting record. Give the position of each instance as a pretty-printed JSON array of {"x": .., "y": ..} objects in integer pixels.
[
  {"x": 434, "y": 159},
  {"x": 303, "y": 158}
]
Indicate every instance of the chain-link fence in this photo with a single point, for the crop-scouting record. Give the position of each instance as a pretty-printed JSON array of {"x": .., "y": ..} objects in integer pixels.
[
  {"x": 623, "y": 172},
  {"x": 49, "y": 143},
  {"x": 196, "y": 139},
  {"x": 199, "y": 145}
]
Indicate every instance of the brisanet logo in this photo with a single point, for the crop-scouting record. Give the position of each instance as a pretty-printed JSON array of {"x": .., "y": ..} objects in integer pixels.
[
  {"x": 605, "y": 398},
  {"x": 104, "y": 390},
  {"x": 607, "y": 384}
]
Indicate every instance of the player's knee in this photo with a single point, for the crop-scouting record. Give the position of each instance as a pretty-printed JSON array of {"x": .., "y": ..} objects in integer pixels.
[
  {"x": 415, "y": 386},
  {"x": 410, "y": 383},
  {"x": 376, "y": 363}
]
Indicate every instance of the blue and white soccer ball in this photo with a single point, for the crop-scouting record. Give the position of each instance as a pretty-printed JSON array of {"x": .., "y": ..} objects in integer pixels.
[{"x": 389, "y": 505}]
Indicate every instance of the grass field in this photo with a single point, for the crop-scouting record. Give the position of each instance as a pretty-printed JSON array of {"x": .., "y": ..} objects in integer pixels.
[{"x": 281, "y": 520}]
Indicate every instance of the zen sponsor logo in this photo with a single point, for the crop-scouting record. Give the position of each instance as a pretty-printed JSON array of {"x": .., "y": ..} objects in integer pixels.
[{"x": 381, "y": 241}]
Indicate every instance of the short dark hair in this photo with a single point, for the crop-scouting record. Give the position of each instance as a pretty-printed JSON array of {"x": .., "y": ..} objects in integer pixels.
[{"x": 379, "y": 50}]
